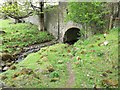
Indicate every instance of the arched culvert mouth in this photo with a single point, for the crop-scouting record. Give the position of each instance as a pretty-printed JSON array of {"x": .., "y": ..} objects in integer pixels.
[{"x": 71, "y": 35}]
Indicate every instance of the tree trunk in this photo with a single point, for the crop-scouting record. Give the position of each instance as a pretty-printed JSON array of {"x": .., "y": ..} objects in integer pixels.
[
  {"x": 111, "y": 22},
  {"x": 41, "y": 17}
]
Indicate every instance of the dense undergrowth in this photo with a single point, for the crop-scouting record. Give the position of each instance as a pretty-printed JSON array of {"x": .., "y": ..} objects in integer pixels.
[{"x": 94, "y": 64}]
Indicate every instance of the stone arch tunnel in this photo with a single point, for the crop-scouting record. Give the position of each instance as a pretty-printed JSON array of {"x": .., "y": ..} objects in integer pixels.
[{"x": 71, "y": 35}]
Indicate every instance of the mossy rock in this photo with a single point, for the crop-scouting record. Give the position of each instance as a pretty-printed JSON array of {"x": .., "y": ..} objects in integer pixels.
[
  {"x": 60, "y": 62},
  {"x": 26, "y": 71},
  {"x": 6, "y": 57},
  {"x": 109, "y": 82},
  {"x": 50, "y": 68},
  {"x": 13, "y": 67},
  {"x": 3, "y": 77},
  {"x": 54, "y": 79}
]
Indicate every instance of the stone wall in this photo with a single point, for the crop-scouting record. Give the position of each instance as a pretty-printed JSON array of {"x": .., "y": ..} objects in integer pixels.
[
  {"x": 51, "y": 21},
  {"x": 55, "y": 21},
  {"x": 32, "y": 19}
]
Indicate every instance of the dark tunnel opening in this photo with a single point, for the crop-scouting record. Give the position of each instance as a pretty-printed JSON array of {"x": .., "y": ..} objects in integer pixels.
[{"x": 71, "y": 36}]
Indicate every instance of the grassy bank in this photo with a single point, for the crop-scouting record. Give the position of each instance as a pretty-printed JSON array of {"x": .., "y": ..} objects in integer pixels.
[
  {"x": 94, "y": 65},
  {"x": 17, "y": 36}
]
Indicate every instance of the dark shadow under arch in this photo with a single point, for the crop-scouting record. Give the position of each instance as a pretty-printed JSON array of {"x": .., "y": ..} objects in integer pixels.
[{"x": 71, "y": 35}]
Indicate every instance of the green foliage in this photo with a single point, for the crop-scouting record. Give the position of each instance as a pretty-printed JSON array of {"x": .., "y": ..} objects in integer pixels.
[
  {"x": 90, "y": 14},
  {"x": 16, "y": 10},
  {"x": 20, "y": 35},
  {"x": 89, "y": 68}
]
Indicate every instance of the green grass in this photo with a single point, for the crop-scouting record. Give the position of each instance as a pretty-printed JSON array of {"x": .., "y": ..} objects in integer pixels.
[
  {"x": 92, "y": 65},
  {"x": 20, "y": 35},
  {"x": 39, "y": 62}
]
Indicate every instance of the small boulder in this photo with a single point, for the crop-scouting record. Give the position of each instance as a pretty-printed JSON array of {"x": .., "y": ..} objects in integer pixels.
[
  {"x": 60, "y": 62},
  {"x": 13, "y": 67},
  {"x": 5, "y": 68},
  {"x": 6, "y": 57},
  {"x": 9, "y": 64},
  {"x": 106, "y": 43},
  {"x": 45, "y": 59},
  {"x": 26, "y": 71},
  {"x": 110, "y": 82},
  {"x": 50, "y": 69}
]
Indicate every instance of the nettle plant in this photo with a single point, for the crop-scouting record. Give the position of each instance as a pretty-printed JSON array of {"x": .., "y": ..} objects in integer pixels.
[{"x": 89, "y": 14}]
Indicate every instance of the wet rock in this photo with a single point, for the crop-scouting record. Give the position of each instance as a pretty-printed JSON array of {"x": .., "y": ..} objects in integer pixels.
[
  {"x": 0, "y": 69},
  {"x": 6, "y": 56},
  {"x": 54, "y": 79},
  {"x": 9, "y": 64},
  {"x": 2, "y": 63},
  {"x": 5, "y": 68}
]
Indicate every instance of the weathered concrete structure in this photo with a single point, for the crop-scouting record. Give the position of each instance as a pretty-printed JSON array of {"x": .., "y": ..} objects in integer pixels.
[{"x": 56, "y": 25}]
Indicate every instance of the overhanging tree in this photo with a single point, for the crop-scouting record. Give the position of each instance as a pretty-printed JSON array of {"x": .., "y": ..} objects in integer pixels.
[
  {"x": 18, "y": 11},
  {"x": 89, "y": 14}
]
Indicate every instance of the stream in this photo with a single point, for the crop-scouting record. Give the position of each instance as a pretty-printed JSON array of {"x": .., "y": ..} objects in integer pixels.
[
  {"x": 26, "y": 51},
  {"x": 31, "y": 49}
]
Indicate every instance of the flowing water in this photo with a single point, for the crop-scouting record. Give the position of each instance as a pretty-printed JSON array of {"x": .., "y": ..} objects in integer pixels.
[{"x": 31, "y": 49}]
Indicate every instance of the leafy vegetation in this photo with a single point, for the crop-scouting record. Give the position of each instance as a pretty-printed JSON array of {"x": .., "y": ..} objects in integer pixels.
[
  {"x": 20, "y": 35},
  {"x": 94, "y": 64},
  {"x": 15, "y": 10},
  {"x": 92, "y": 17}
]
